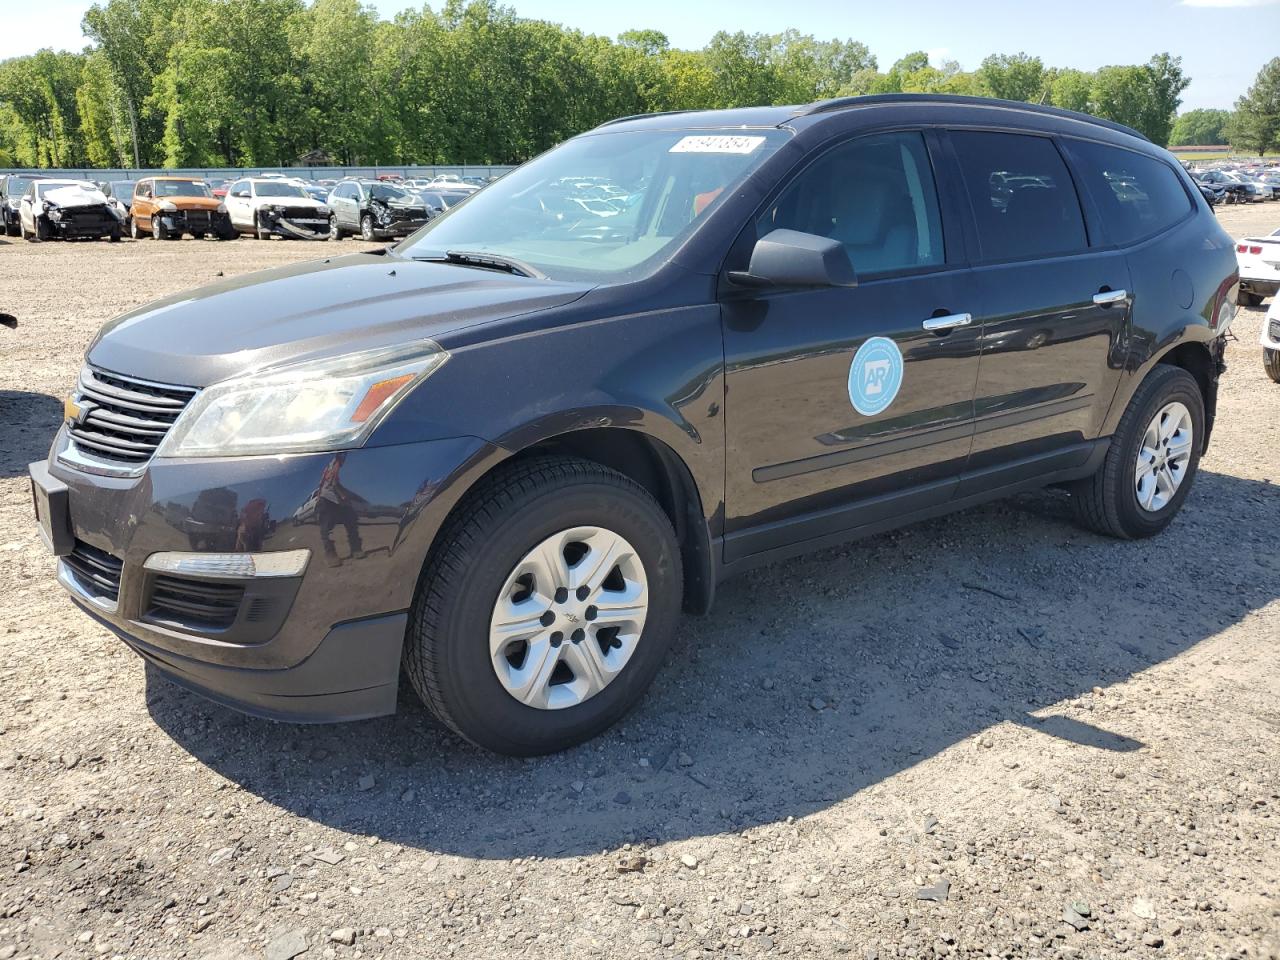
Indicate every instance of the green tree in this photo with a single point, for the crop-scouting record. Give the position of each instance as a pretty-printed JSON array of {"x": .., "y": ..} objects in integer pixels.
[
  {"x": 1255, "y": 126},
  {"x": 1199, "y": 127},
  {"x": 1013, "y": 77}
]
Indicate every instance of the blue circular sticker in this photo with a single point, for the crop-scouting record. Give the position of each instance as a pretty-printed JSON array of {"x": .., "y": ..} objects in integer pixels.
[{"x": 875, "y": 376}]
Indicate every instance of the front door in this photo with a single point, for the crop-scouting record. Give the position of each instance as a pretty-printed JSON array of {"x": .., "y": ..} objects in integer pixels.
[
  {"x": 1055, "y": 311},
  {"x": 849, "y": 406},
  {"x": 240, "y": 204}
]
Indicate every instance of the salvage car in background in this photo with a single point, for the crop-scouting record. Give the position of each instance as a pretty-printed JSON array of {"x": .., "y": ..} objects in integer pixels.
[
  {"x": 273, "y": 206},
  {"x": 68, "y": 210},
  {"x": 1259, "y": 261},
  {"x": 168, "y": 207},
  {"x": 12, "y": 188},
  {"x": 376, "y": 210}
]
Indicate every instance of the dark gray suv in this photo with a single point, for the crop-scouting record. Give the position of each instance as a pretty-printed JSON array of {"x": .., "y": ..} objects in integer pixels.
[{"x": 502, "y": 455}]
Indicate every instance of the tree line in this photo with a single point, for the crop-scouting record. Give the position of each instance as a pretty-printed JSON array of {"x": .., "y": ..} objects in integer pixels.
[
  {"x": 1253, "y": 127},
  {"x": 266, "y": 82}
]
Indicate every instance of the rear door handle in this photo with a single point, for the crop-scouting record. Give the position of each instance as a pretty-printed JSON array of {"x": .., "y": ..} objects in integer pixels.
[
  {"x": 949, "y": 322},
  {"x": 1106, "y": 298}
]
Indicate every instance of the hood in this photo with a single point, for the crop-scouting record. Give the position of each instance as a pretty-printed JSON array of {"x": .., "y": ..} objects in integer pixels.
[
  {"x": 307, "y": 310},
  {"x": 74, "y": 196}
]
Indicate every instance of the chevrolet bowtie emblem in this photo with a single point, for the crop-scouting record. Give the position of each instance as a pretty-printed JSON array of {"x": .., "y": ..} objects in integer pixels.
[{"x": 74, "y": 411}]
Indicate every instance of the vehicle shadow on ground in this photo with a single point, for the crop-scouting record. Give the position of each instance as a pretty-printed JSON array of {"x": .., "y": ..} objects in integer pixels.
[
  {"x": 28, "y": 422},
  {"x": 810, "y": 682}
]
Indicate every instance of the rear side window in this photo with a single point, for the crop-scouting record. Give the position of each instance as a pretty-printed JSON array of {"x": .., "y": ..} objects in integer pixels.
[
  {"x": 875, "y": 195},
  {"x": 1024, "y": 203},
  {"x": 1137, "y": 196}
]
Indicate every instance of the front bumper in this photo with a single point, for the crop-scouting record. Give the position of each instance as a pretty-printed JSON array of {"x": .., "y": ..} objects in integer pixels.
[
  {"x": 397, "y": 228},
  {"x": 308, "y": 226},
  {"x": 323, "y": 646},
  {"x": 75, "y": 226},
  {"x": 196, "y": 222}
]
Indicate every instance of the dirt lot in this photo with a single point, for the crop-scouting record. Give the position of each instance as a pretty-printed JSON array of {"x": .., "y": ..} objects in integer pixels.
[{"x": 988, "y": 735}]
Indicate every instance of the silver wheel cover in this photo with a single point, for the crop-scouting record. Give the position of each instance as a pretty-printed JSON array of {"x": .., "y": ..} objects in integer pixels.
[
  {"x": 1164, "y": 457},
  {"x": 568, "y": 618}
]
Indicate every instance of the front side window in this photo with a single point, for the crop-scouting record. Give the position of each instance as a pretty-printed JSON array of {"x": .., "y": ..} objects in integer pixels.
[
  {"x": 875, "y": 195},
  {"x": 1137, "y": 196},
  {"x": 1024, "y": 203},
  {"x": 603, "y": 206}
]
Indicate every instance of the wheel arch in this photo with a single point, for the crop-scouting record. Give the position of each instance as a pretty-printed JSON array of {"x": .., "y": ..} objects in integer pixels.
[
  {"x": 1196, "y": 357},
  {"x": 654, "y": 465}
]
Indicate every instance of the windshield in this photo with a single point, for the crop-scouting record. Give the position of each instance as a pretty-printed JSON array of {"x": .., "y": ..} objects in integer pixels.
[
  {"x": 599, "y": 206},
  {"x": 18, "y": 185},
  {"x": 181, "y": 188},
  {"x": 122, "y": 188},
  {"x": 272, "y": 188},
  {"x": 381, "y": 191}
]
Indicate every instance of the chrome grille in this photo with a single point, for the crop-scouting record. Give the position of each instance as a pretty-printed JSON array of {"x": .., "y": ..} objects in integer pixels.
[{"x": 124, "y": 419}]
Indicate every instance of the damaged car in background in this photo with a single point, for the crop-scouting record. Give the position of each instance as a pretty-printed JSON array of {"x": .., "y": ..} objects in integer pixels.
[
  {"x": 12, "y": 188},
  {"x": 375, "y": 210},
  {"x": 68, "y": 210},
  {"x": 271, "y": 206},
  {"x": 166, "y": 208}
]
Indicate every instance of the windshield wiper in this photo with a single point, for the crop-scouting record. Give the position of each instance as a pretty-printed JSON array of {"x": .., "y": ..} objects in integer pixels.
[{"x": 489, "y": 261}]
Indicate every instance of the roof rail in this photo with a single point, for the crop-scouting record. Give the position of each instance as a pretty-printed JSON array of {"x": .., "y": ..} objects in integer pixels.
[
  {"x": 641, "y": 116},
  {"x": 843, "y": 103}
]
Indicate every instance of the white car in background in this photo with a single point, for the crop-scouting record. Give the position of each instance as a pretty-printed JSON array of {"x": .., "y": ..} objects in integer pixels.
[
  {"x": 266, "y": 206},
  {"x": 1259, "y": 261},
  {"x": 1271, "y": 341}
]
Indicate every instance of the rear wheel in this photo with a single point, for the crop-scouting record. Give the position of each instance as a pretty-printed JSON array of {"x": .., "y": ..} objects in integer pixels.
[
  {"x": 1248, "y": 299},
  {"x": 1151, "y": 462},
  {"x": 547, "y": 607},
  {"x": 1271, "y": 363}
]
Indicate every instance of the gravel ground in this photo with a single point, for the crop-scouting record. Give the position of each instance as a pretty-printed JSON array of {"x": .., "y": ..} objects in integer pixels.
[{"x": 988, "y": 735}]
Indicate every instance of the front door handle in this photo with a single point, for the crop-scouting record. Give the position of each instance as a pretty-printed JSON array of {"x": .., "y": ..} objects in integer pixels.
[
  {"x": 948, "y": 322},
  {"x": 1105, "y": 298}
]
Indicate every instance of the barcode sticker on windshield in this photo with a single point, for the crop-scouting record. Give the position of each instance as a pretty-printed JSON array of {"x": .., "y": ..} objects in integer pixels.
[{"x": 717, "y": 144}]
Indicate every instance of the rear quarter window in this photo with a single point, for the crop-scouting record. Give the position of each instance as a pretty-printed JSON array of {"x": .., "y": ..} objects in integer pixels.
[{"x": 1137, "y": 196}]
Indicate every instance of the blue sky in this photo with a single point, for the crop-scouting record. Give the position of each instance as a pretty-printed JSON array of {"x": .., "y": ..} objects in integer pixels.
[{"x": 1223, "y": 43}]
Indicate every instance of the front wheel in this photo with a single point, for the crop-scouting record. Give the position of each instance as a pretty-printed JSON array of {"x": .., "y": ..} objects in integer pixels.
[
  {"x": 547, "y": 607},
  {"x": 335, "y": 231},
  {"x": 1151, "y": 462},
  {"x": 366, "y": 228},
  {"x": 1271, "y": 363}
]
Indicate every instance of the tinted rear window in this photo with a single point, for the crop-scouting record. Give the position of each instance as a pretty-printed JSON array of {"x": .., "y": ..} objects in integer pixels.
[
  {"x": 1137, "y": 196},
  {"x": 1024, "y": 203}
]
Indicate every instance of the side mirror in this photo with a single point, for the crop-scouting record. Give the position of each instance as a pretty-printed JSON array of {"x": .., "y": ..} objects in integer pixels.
[{"x": 789, "y": 258}]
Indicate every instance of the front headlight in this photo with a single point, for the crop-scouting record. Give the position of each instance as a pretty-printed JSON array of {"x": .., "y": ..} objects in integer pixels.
[
  {"x": 328, "y": 404},
  {"x": 166, "y": 206},
  {"x": 324, "y": 210}
]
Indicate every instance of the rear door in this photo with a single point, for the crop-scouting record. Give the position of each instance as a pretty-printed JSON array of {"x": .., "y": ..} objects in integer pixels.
[
  {"x": 849, "y": 406},
  {"x": 1056, "y": 307}
]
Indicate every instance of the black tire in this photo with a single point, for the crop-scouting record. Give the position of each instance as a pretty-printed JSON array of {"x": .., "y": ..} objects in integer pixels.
[
  {"x": 366, "y": 228},
  {"x": 335, "y": 231},
  {"x": 42, "y": 230},
  {"x": 12, "y": 229},
  {"x": 1247, "y": 299},
  {"x": 446, "y": 647},
  {"x": 134, "y": 232},
  {"x": 258, "y": 230},
  {"x": 115, "y": 235},
  {"x": 158, "y": 229},
  {"x": 1107, "y": 502},
  {"x": 1271, "y": 363}
]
